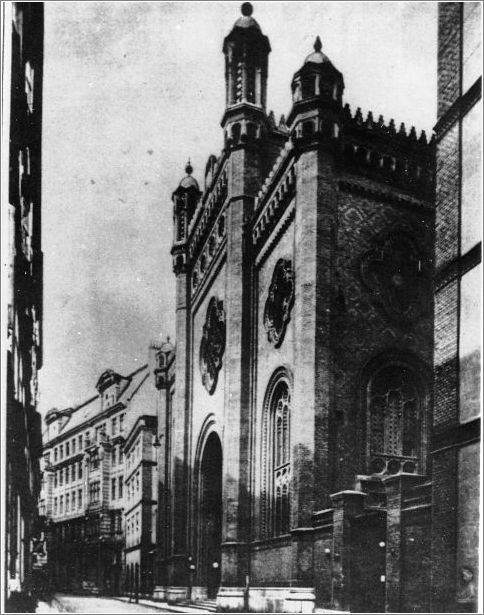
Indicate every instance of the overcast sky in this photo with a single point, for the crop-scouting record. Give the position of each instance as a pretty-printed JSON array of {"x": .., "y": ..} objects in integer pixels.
[{"x": 131, "y": 90}]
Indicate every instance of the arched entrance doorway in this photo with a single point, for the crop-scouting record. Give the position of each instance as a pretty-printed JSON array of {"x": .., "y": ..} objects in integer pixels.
[{"x": 210, "y": 515}]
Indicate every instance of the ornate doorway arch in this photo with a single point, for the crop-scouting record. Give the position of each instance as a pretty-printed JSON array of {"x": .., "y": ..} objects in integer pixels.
[{"x": 210, "y": 515}]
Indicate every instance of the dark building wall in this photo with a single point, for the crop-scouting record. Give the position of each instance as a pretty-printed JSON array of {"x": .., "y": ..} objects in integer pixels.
[
  {"x": 456, "y": 424},
  {"x": 364, "y": 330},
  {"x": 24, "y": 341}
]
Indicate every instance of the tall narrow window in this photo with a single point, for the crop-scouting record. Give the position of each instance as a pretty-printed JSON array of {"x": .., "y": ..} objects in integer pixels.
[
  {"x": 394, "y": 420},
  {"x": 276, "y": 465}
]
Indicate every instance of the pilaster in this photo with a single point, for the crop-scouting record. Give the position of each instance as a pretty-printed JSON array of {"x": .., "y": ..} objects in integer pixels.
[
  {"x": 244, "y": 182},
  {"x": 312, "y": 374},
  {"x": 179, "y": 479}
]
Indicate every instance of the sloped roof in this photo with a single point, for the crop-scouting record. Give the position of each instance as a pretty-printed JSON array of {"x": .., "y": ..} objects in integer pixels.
[{"x": 91, "y": 408}]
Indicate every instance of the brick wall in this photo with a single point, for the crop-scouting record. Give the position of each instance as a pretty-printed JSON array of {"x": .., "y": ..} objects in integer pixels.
[
  {"x": 447, "y": 196},
  {"x": 449, "y": 55},
  {"x": 444, "y": 507},
  {"x": 415, "y": 588},
  {"x": 446, "y": 356}
]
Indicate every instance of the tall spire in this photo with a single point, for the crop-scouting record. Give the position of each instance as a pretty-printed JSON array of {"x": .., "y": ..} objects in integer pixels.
[{"x": 317, "y": 44}]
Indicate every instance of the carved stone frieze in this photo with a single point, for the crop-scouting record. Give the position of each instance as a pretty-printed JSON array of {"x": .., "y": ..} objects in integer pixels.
[
  {"x": 279, "y": 302},
  {"x": 212, "y": 346}
]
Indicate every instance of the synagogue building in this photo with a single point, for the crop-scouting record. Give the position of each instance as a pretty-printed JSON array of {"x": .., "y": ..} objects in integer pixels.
[{"x": 301, "y": 435}]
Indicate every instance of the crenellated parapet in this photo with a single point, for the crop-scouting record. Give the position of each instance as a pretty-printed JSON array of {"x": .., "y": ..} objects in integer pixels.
[{"x": 379, "y": 151}]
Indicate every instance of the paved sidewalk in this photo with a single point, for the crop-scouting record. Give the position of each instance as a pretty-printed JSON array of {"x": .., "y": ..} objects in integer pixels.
[{"x": 165, "y": 607}]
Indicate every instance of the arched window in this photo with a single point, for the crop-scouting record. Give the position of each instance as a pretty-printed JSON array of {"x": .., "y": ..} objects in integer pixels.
[
  {"x": 276, "y": 460},
  {"x": 394, "y": 420}
]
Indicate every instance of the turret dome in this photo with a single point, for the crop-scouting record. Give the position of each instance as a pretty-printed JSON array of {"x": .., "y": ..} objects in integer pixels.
[
  {"x": 246, "y": 21},
  {"x": 317, "y": 56},
  {"x": 188, "y": 181}
]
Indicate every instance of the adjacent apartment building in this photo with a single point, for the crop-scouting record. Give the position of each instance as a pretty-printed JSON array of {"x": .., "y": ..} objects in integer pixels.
[
  {"x": 22, "y": 127},
  {"x": 99, "y": 501}
]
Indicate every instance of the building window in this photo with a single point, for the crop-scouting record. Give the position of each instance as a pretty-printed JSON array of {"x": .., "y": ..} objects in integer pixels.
[
  {"x": 61, "y": 476},
  {"x": 121, "y": 423},
  {"x": 79, "y": 498},
  {"x": 73, "y": 500},
  {"x": 67, "y": 503},
  {"x": 79, "y": 441},
  {"x": 393, "y": 420},
  {"x": 113, "y": 488},
  {"x": 73, "y": 446},
  {"x": 55, "y": 455},
  {"x": 67, "y": 449},
  {"x": 120, "y": 486},
  {"x": 55, "y": 506},
  {"x": 113, "y": 455},
  {"x": 55, "y": 479},
  {"x": 29, "y": 86},
  {"x": 79, "y": 470},
  {"x": 61, "y": 451},
  {"x": 114, "y": 425},
  {"x": 94, "y": 492},
  {"x": 276, "y": 465},
  {"x": 61, "y": 505}
]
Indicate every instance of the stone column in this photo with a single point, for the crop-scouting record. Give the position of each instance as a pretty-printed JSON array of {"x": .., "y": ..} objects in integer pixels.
[{"x": 346, "y": 504}]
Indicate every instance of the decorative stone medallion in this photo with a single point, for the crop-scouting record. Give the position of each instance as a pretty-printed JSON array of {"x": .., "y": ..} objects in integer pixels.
[
  {"x": 212, "y": 346},
  {"x": 395, "y": 274},
  {"x": 279, "y": 302}
]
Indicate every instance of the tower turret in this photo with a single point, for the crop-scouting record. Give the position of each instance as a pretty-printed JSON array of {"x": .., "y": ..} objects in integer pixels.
[
  {"x": 185, "y": 200},
  {"x": 317, "y": 93},
  {"x": 246, "y": 51}
]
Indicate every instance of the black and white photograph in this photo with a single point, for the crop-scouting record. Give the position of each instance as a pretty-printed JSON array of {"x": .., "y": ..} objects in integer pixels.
[{"x": 241, "y": 307}]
